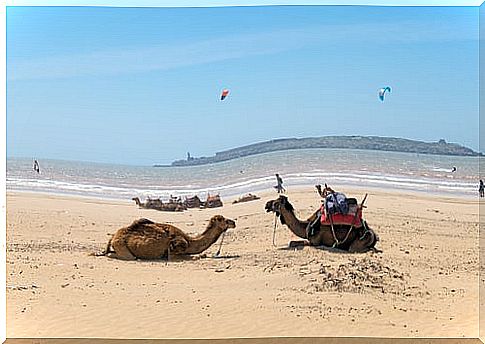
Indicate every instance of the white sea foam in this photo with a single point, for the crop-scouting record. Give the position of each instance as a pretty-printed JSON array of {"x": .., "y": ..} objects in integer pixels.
[
  {"x": 243, "y": 186},
  {"x": 387, "y": 170}
]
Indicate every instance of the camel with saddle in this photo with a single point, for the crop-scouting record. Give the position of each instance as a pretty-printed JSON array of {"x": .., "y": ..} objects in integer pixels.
[{"x": 338, "y": 223}]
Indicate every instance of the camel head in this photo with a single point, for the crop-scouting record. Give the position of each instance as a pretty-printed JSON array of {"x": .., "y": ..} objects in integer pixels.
[
  {"x": 277, "y": 205},
  {"x": 220, "y": 221}
]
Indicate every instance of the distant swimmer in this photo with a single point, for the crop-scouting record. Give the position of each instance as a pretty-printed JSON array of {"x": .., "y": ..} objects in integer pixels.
[
  {"x": 279, "y": 187},
  {"x": 36, "y": 166},
  {"x": 453, "y": 169}
]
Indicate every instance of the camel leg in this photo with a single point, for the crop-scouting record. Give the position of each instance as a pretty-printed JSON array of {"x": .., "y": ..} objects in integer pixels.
[
  {"x": 178, "y": 246},
  {"x": 116, "y": 256},
  {"x": 121, "y": 251},
  {"x": 108, "y": 246},
  {"x": 363, "y": 245},
  {"x": 313, "y": 227},
  {"x": 298, "y": 243}
]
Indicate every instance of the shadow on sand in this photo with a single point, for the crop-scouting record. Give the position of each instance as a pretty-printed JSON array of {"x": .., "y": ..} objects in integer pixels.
[
  {"x": 300, "y": 244},
  {"x": 182, "y": 258}
]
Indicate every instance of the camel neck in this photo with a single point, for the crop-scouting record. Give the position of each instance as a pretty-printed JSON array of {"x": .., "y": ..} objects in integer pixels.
[
  {"x": 296, "y": 226},
  {"x": 201, "y": 242}
]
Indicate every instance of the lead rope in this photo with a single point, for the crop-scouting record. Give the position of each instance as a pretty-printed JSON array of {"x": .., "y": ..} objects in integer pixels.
[
  {"x": 359, "y": 209},
  {"x": 364, "y": 224},
  {"x": 348, "y": 233},
  {"x": 220, "y": 245},
  {"x": 274, "y": 229},
  {"x": 337, "y": 242},
  {"x": 366, "y": 229}
]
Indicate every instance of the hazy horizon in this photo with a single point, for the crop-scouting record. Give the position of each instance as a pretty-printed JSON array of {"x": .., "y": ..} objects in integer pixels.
[
  {"x": 141, "y": 86},
  {"x": 214, "y": 153}
]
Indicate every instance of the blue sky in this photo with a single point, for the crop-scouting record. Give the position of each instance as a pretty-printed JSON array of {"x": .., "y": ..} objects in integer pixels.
[{"x": 142, "y": 85}]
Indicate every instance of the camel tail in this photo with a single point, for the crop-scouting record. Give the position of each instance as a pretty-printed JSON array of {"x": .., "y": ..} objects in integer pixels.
[
  {"x": 97, "y": 254},
  {"x": 102, "y": 253}
]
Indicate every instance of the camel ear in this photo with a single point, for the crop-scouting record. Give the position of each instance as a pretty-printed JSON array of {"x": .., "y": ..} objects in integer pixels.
[
  {"x": 284, "y": 200},
  {"x": 285, "y": 203},
  {"x": 217, "y": 218}
]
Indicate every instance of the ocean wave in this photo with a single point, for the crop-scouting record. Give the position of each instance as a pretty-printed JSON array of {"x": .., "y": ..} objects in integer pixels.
[{"x": 239, "y": 186}]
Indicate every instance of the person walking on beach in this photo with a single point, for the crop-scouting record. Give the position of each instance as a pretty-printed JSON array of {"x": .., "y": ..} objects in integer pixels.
[
  {"x": 279, "y": 187},
  {"x": 36, "y": 166},
  {"x": 481, "y": 189}
]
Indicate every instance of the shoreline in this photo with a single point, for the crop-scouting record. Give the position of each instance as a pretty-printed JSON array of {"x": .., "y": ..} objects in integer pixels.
[
  {"x": 266, "y": 191},
  {"x": 248, "y": 174}
]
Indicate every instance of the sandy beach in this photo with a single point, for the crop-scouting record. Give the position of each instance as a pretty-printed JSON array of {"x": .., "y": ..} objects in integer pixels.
[{"x": 423, "y": 284}]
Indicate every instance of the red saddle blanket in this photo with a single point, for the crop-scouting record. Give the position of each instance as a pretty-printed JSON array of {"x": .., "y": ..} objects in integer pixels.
[{"x": 343, "y": 219}]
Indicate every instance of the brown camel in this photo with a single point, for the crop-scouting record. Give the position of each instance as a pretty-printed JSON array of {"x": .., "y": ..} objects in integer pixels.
[
  {"x": 193, "y": 202},
  {"x": 213, "y": 201},
  {"x": 360, "y": 239},
  {"x": 246, "y": 198},
  {"x": 145, "y": 239},
  {"x": 157, "y": 204},
  {"x": 149, "y": 203}
]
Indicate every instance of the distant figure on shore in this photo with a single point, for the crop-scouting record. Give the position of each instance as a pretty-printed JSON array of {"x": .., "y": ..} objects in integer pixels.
[
  {"x": 36, "y": 166},
  {"x": 453, "y": 169},
  {"x": 279, "y": 187},
  {"x": 481, "y": 189}
]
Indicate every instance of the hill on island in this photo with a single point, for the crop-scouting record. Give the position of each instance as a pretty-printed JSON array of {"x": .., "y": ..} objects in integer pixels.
[{"x": 392, "y": 144}]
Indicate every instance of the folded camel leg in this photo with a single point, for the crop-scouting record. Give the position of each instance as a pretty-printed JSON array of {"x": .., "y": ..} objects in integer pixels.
[
  {"x": 121, "y": 251},
  {"x": 298, "y": 243}
]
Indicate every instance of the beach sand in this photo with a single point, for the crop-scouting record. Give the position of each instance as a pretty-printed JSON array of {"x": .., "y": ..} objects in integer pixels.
[{"x": 423, "y": 284}]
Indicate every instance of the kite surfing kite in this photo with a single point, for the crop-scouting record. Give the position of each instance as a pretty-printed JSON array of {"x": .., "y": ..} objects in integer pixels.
[
  {"x": 382, "y": 91},
  {"x": 224, "y": 94}
]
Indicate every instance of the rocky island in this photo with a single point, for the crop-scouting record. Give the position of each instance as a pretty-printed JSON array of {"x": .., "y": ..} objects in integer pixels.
[{"x": 392, "y": 144}]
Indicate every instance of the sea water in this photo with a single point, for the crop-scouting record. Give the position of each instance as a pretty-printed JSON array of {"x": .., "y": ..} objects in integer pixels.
[{"x": 338, "y": 168}]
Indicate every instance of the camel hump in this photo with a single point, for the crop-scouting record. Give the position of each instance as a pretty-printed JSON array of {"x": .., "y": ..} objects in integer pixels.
[{"x": 142, "y": 221}]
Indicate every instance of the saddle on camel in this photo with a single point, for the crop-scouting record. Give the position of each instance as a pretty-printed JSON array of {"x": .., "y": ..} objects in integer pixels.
[{"x": 337, "y": 209}]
